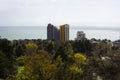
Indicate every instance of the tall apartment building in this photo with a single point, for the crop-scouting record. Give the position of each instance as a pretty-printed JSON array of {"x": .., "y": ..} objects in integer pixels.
[
  {"x": 80, "y": 35},
  {"x": 64, "y": 33},
  {"x": 56, "y": 34},
  {"x": 52, "y": 33}
]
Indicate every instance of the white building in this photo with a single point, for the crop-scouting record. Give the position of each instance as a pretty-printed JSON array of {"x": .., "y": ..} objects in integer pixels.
[{"x": 80, "y": 35}]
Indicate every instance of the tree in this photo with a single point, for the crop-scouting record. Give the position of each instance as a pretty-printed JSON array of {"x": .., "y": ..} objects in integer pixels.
[
  {"x": 61, "y": 52},
  {"x": 31, "y": 48},
  {"x": 77, "y": 67},
  {"x": 3, "y": 69},
  {"x": 82, "y": 46},
  {"x": 79, "y": 60},
  {"x": 8, "y": 66},
  {"x": 50, "y": 47},
  {"x": 19, "y": 51},
  {"x": 39, "y": 67},
  {"x": 69, "y": 48}
]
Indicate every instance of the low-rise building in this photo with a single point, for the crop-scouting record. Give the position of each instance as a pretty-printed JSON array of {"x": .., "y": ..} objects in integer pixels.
[{"x": 80, "y": 35}]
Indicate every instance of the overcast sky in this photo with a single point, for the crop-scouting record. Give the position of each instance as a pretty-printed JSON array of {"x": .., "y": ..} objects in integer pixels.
[{"x": 73, "y": 12}]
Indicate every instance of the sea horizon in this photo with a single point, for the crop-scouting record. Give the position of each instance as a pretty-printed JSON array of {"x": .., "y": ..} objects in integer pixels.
[{"x": 40, "y": 32}]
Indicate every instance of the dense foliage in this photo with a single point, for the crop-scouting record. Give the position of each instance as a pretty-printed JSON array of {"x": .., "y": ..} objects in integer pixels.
[
  {"x": 49, "y": 60},
  {"x": 8, "y": 65}
]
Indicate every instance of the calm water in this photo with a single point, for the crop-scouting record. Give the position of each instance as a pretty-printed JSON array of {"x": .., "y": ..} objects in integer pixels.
[{"x": 41, "y": 33}]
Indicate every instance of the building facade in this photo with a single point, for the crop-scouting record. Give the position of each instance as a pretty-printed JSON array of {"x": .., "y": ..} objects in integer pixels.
[
  {"x": 56, "y": 34},
  {"x": 52, "y": 33},
  {"x": 80, "y": 35},
  {"x": 64, "y": 33}
]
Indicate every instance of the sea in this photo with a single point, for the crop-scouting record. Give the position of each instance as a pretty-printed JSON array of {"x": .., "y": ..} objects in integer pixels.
[{"x": 40, "y": 32}]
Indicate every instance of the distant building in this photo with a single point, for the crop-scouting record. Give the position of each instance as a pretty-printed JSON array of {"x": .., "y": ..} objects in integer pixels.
[
  {"x": 116, "y": 43},
  {"x": 56, "y": 34},
  {"x": 80, "y": 35},
  {"x": 52, "y": 33},
  {"x": 64, "y": 33}
]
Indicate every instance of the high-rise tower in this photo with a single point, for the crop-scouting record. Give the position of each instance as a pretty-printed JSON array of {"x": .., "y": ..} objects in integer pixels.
[
  {"x": 52, "y": 33},
  {"x": 64, "y": 32}
]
